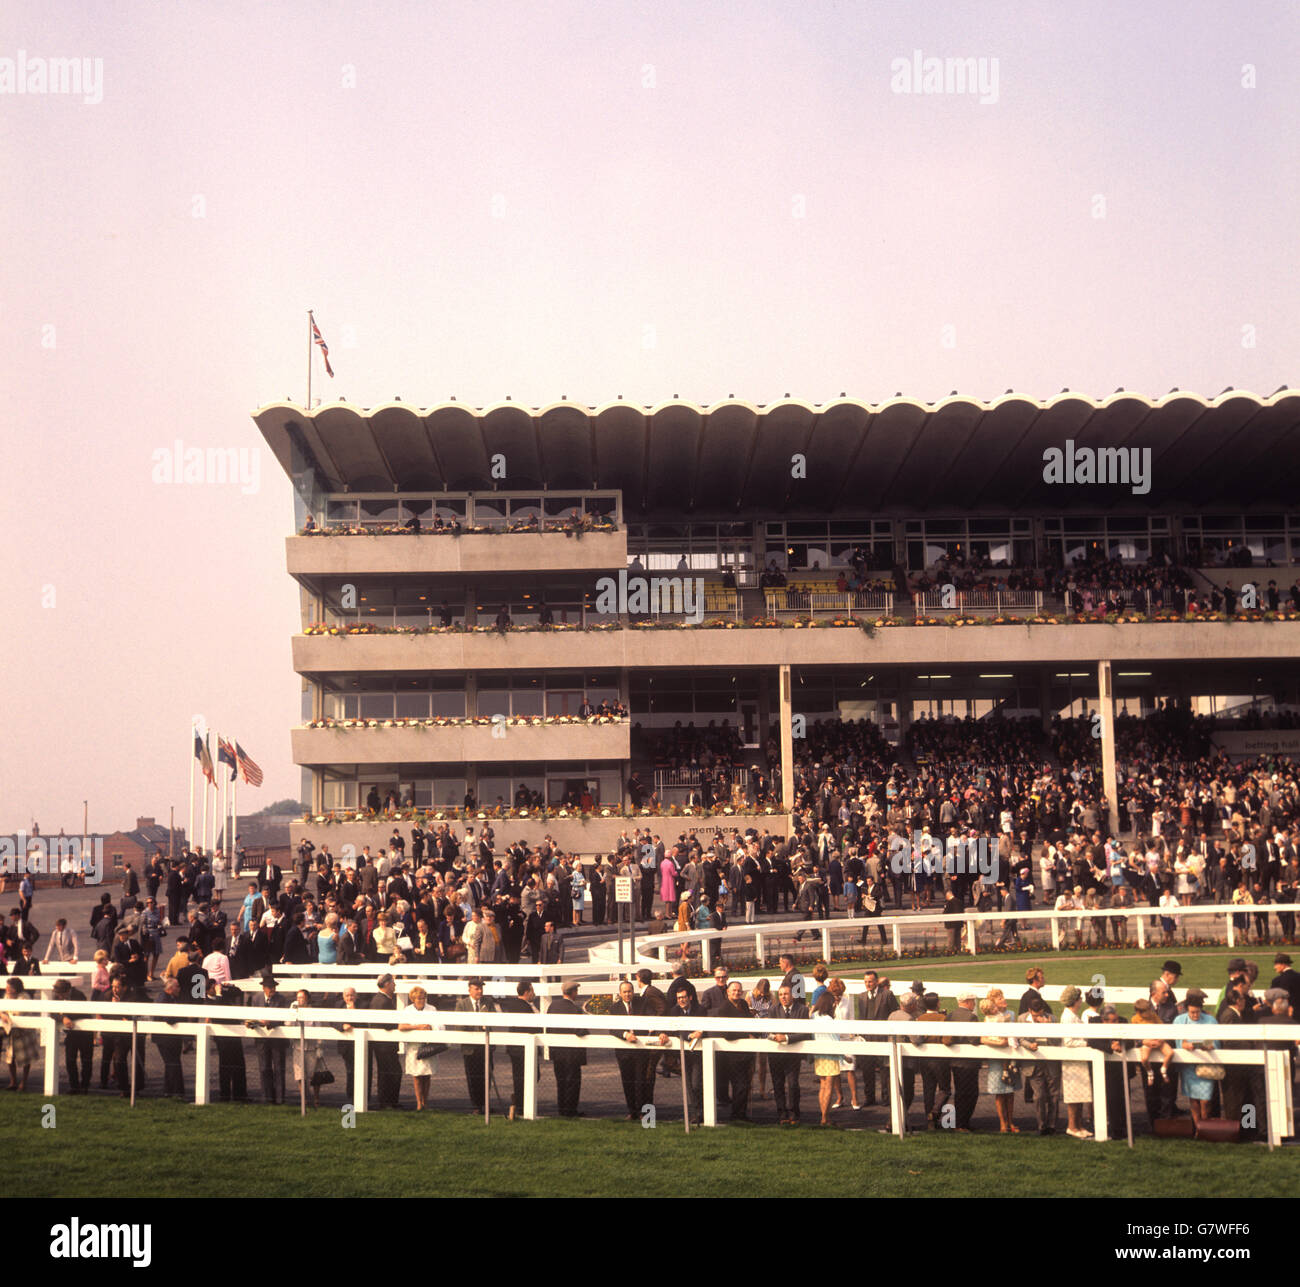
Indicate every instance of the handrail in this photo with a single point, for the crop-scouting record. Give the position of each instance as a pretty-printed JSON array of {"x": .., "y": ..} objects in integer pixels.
[
  {"x": 533, "y": 1032},
  {"x": 660, "y": 943}
]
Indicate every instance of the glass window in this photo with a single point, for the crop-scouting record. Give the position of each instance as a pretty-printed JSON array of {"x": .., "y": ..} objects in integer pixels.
[
  {"x": 376, "y": 705},
  {"x": 376, "y": 513},
  {"x": 527, "y": 700},
  {"x": 339, "y": 513},
  {"x": 493, "y": 700},
  {"x": 493, "y": 790},
  {"x": 412, "y": 705}
]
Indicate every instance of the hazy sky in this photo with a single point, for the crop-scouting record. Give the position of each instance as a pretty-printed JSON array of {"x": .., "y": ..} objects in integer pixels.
[{"x": 539, "y": 199}]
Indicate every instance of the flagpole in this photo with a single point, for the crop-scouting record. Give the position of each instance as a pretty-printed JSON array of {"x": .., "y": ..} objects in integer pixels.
[
  {"x": 309, "y": 341},
  {"x": 225, "y": 799},
  {"x": 234, "y": 813},
  {"x": 203, "y": 839},
  {"x": 189, "y": 835}
]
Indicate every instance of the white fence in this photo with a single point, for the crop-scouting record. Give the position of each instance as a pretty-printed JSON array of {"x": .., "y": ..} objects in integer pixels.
[
  {"x": 537, "y": 1034},
  {"x": 930, "y": 603},
  {"x": 852, "y": 603},
  {"x": 765, "y": 937}
]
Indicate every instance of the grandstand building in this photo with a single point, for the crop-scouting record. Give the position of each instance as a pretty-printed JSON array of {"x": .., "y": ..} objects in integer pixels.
[{"x": 794, "y": 563}]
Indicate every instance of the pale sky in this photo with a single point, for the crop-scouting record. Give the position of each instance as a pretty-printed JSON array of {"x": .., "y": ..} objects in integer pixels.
[{"x": 545, "y": 199}]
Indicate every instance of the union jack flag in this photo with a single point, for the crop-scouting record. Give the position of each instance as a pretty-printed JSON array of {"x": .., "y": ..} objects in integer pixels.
[
  {"x": 324, "y": 348},
  {"x": 252, "y": 774}
]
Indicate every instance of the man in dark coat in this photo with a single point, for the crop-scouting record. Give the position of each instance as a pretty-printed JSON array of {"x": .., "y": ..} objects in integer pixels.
[
  {"x": 270, "y": 1050},
  {"x": 387, "y": 1065},
  {"x": 567, "y": 1060}
]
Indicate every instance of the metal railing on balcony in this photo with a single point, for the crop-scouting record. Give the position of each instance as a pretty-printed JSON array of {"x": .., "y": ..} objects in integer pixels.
[
  {"x": 933, "y": 603},
  {"x": 792, "y": 601}
]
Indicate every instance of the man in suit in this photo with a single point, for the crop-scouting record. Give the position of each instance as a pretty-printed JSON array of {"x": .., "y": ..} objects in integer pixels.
[
  {"x": 684, "y": 1006},
  {"x": 63, "y": 944},
  {"x": 175, "y": 894},
  {"x": 735, "y": 1068},
  {"x": 346, "y": 1049},
  {"x": 793, "y": 979},
  {"x": 965, "y": 1072},
  {"x": 78, "y": 1045},
  {"x": 714, "y": 999},
  {"x": 566, "y": 1060},
  {"x": 239, "y": 951},
  {"x": 653, "y": 1001},
  {"x": 551, "y": 948},
  {"x": 270, "y": 877},
  {"x": 296, "y": 949},
  {"x": 387, "y": 1065},
  {"x": 169, "y": 1045},
  {"x": 523, "y": 1002},
  {"x": 631, "y": 1065},
  {"x": 270, "y": 1050},
  {"x": 232, "y": 1073},
  {"x": 786, "y": 1066},
  {"x": 1283, "y": 977},
  {"x": 876, "y": 1003},
  {"x": 475, "y": 1003}
]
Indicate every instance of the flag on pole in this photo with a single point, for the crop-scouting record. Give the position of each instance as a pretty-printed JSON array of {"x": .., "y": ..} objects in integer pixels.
[
  {"x": 252, "y": 774},
  {"x": 204, "y": 757},
  {"x": 324, "y": 348},
  {"x": 226, "y": 754}
]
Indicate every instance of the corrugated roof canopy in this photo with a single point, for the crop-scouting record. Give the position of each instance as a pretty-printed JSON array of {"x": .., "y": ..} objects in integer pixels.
[{"x": 1236, "y": 451}]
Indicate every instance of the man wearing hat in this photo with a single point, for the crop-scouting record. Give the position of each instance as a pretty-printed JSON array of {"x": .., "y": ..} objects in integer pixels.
[
  {"x": 270, "y": 1050},
  {"x": 1171, "y": 972},
  {"x": 1286, "y": 977}
]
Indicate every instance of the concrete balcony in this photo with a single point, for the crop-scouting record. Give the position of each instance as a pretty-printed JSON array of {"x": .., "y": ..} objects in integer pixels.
[
  {"x": 592, "y": 836},
  {"x": 314, "y": 557},
  {"x": 904, "y": 645},
  {"x": 460, "y": 743}
]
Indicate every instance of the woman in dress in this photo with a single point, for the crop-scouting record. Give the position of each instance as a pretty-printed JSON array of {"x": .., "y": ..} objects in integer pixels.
[
  {"x": 417, "y": 1017},
  {"x": 24, "y": 1045},
  {"x": 1002, "y": 1079},
  {"x": 327, "y": 941},
  {"x": 385, "y": 938},
  {"x": 311, "y": 1052},
  {"x": 826, "y": 1067},
  {"x": 668, "y": 881},
  {"x": 760, "y": 1005},
  {"x": 1076, "y": 1076},
  {"x": 848, "y": 1065},
  {"x": 220, "y": 874},
  {"x": 1199, "y": 1090}
]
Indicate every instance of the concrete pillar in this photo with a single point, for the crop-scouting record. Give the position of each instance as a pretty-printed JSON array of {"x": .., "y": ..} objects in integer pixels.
[
  {"x": 1045, "y": 698},
  {"x": 317, "y": 791},
  {"x": 787, "y": 741},
  {"x": 1106, "y": 702}
]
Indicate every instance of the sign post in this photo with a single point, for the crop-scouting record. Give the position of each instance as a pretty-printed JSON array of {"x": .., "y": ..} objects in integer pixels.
[{"x": 623, "y": 899}]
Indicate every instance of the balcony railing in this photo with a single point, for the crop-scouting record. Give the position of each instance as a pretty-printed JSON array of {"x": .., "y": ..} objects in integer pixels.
[{"x": 998, "y": 603}]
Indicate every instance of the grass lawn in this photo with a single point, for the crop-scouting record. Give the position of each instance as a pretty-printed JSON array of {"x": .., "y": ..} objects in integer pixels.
[
  {"x": 164, "y": 1149},
  {"x": 1204, "y": 967}
]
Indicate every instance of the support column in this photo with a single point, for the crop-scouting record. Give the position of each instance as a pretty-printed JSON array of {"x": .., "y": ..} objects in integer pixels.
[
  {"x": 1106, "y": 700},
  {"x": 1045, "y": 698},
  {"x": 787, "y": 740}
]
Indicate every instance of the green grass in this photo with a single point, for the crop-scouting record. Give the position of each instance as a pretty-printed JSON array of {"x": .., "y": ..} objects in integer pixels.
[
  {"x": 167, "y": 1149},
  {"x": 1204, "y": 967}
]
